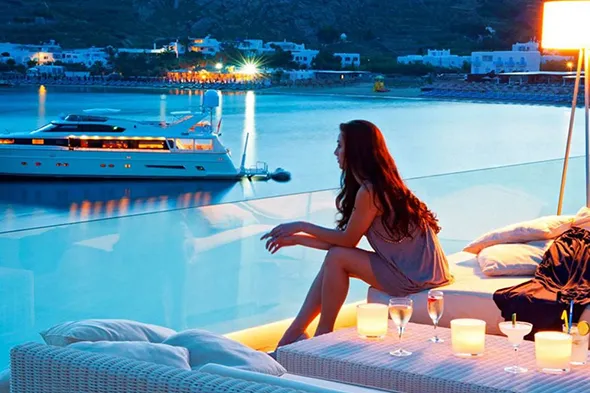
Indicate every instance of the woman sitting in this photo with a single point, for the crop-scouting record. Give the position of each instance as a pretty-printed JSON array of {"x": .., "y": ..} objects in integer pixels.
[{"x": 373, "y": 202}]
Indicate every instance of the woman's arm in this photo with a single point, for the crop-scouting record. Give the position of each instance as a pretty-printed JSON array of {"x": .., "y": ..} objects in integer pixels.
[
  {"x": 362, "y": 216},
  {"x": 311, "y": 242}
]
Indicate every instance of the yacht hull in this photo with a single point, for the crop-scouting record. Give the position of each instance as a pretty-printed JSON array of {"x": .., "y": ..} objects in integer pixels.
[{"x": 65, "y": 163}]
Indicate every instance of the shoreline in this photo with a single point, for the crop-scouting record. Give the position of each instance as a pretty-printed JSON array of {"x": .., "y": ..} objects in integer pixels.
[{"x": 356, "y": 90}]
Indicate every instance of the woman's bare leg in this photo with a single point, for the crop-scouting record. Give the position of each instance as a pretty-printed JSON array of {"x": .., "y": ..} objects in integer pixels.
[
  {"x": 309, "y": 310},
  {"x": 340, "y": 264}
]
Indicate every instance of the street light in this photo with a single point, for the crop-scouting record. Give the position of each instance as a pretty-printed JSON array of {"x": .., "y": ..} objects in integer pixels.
[
  {"x": 570, "y": 65},
  {"x": 218, "y": 66}
]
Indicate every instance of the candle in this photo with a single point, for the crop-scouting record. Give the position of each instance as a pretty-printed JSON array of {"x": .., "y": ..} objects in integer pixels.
[
  {"x": 371, "y": 320},
  {"x": 553, "y": 351},
  {"x": 468, "y": 337}
]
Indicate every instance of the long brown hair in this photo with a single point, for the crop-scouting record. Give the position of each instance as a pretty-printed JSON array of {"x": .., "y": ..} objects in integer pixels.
[{"x": 366, "y": 157}]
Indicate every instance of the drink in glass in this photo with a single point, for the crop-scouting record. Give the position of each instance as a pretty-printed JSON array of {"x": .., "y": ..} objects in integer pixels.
[
  {"x": 579, "y": 346},
  {"x": 515, "y": 333},
  {"x": 436, "y": 305},
  {"x": 400, "y": 310}
]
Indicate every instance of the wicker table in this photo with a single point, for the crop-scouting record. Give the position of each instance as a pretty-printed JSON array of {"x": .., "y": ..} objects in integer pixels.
[{"x": 342, "y": 356}]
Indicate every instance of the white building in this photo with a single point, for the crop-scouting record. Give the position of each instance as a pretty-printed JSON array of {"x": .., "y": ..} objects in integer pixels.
[
  {"x": 304, "y": 57},
  {"x": 522, "y": 58},
  {"x": 207, "y": 46},
  {"x": 349, "y": 59},
  {"x": 87, "y": 56},
  {"x": 250, "y": 47},
  {"x": 437, "y": 58},
  {"x": 285, "y": 45},
  {"x": 22, "y": 53}
]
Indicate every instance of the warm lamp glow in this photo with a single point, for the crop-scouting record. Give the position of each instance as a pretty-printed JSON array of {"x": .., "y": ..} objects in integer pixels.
[
  {"x": 566, "y": 25},
  {"x": 468, "y": 337},
  {"x": 553, "y": 351},
  {"x": 371, "y": 320}
]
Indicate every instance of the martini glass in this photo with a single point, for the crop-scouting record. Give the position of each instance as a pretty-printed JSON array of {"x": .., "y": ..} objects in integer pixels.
[{"x": 515, "y": 333}]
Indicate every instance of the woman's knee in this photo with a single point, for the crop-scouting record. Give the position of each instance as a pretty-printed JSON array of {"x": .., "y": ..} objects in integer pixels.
[{"x": 335, "y": 258}]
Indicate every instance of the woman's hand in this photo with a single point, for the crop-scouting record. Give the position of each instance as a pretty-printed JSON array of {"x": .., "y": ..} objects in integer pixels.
[
  {"x": 274, "y": 244},
  {"x": 283, "y": 230}
]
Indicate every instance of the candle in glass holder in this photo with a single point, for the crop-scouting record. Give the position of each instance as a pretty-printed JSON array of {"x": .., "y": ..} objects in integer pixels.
[
  {"x": 371, "y": 320},
  {"x": 553, "y": 352},
  {"x": 468, "y": 337}
]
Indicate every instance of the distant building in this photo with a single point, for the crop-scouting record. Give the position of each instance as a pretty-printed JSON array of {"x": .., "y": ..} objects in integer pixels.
[
  {"x": 304, "y": 57},
  {"x": 23, "y": 53},
  {"x": 349, "y": 59},
  {"x": 522, "y": 58},
  {"x": 437, "y": 58},
  {"x": 87, "y": 56},
  {"x": 250, "y": 47},
  {"x": 207, "y": 46},
  {"x": 285, "y": 45},
  {"x": 46, "y": 70}
]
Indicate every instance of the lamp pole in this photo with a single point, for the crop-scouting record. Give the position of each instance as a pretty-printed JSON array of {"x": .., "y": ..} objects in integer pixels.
[
  {"x": 587, "y": 110},
  {"x": 581, "y": 56}
]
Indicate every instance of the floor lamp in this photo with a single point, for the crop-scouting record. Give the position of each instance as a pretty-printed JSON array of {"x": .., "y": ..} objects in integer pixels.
[{"x": 566, "y": 26}]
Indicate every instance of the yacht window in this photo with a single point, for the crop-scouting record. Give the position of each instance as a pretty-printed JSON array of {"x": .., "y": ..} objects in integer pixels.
[
  {"x": 6, "y": 141},
  {"x": 150, "y": 145},
  {"x": 185, "y": 144},
  {"x": 171, "y": 144},
  {"x": 99, "y": 128},
  {"x": 115, "y": 144},
  {"x": 46, "y": 127},
  {"x": 203, "y": 144}
]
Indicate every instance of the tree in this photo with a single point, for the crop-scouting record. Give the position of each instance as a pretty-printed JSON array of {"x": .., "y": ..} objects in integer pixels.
[
  {"x": 328, "y": 35},
  {"x": 11, "y": 63},
  {"x": 5, "y": 54},
  {"x": 97, "y": 68},
  {"x": 326, "y": 61},
  {"x": 31, "y": 63},
  {"x": 281, "y": 59}
]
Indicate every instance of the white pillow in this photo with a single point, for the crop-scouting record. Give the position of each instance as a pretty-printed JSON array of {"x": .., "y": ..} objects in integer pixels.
[
  {"x": 5, "y": 381},
  {"x": 542, "y": 228},
  {"x": 206, "y": 347},
  {"x": 104, "y": 330},
  {"x": 582, "y": 218},
  {"x": 166, "y": 355},
  {"x": 512, "y": 259}
]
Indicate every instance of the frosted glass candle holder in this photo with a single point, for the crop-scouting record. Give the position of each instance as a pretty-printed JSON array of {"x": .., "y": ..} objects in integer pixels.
[
  {"x": 553, "y": 352},
  {"x": 468, "y": 337},
  {"x": 371, "y": 320}
]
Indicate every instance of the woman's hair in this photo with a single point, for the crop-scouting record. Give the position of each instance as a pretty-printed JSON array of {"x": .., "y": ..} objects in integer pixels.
[{"x": 367, "y": 159}]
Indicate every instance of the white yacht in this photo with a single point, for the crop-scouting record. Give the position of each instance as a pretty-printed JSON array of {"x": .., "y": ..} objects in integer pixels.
[{"x": 91, "y": 146}]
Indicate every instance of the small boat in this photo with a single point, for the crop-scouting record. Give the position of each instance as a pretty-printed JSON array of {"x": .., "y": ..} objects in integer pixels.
[{"x": 92, "y": 146}]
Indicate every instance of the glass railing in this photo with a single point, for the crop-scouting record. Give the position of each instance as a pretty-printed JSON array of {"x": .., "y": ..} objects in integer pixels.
[{"x": 205, "y": 266}]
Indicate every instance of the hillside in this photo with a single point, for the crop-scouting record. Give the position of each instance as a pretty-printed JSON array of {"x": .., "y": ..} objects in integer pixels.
[{"x": 372, "y": 26}]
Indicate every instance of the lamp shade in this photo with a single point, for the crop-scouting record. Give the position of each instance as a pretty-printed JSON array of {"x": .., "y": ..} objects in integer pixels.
[{"x": 566, "y": 25}]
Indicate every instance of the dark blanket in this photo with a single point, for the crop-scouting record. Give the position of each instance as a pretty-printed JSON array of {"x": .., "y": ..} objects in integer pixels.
[{"x": 563, "y": 275}]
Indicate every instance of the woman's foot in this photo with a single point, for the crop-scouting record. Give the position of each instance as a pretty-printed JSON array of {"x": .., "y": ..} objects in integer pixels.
[{"x": 292, "y": 336}]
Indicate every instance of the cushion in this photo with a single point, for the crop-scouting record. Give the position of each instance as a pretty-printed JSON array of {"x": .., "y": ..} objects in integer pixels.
[
  {"x": 104, "y": 330},
  {"x": 5, "y": 381},
  {"x": 542, "y": 228},
  {"x": 582, "y": 218},
  {"x": 512, "y": 259},
  {"x": 206, "y": 347},
  {"x": 166, "y": 355}
]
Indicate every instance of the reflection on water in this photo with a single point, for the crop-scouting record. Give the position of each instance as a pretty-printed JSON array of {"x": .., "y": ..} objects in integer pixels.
[
  {"x": 34, "y": 203},
  {"x": 250, "y": 126},
  {"x": 41, "y": 112}
]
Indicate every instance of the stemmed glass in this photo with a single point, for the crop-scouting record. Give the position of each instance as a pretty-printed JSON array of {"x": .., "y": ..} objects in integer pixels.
[
  {"x": 400, "y": 309},
  {"x": 515, "y": 332},
  {"x": 436, "y": 305}
]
